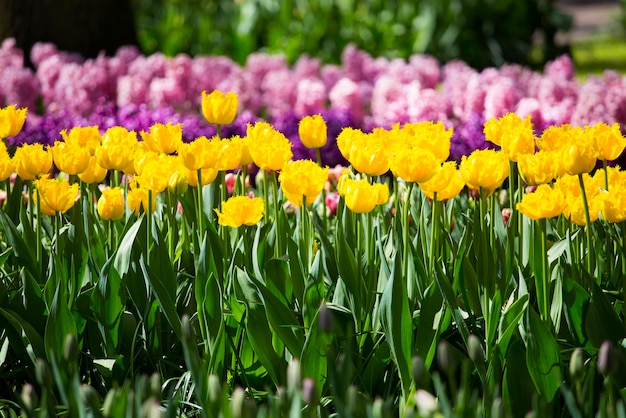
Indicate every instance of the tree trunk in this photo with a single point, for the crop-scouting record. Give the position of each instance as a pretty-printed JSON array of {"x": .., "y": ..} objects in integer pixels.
[{"x": 87, "y": 27}]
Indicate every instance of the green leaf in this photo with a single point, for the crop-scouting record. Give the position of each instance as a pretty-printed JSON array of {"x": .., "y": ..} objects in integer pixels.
[
  {"x": 397, "y": 324},
  {"x": 314, "y": 358},
  {"x": 601, "y": 321},
  {"x": 21, "y": 250},
  {"x": 575, "y": 298},
  {"x": 60, "y": 323},
  {"x": 348, "y": 271},
  {"x": 542, "y": 356},
  {"x": 29, "y": 337},
  {"x": 518, "y": 393},
  {"x": 123, "y": 254},
  {"x": 509, "y": 321},
  {"x": 427, "y": 332},
  {"x": 163, "y": 295},
  {"x": 108, "y": 301}
]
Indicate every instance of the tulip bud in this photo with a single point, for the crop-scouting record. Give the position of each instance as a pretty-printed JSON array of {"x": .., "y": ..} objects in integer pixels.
[
  {"x": 309, "y": 392},
  {"x": 325, "y": 318},
  {"x": 576, "y": 364},
  {"x": 294, "y": 379},
  {"x": 608, "y": 358},
  {"x": 497, "y": 408},
  {"x": 214, "y": 389},
  {"x": 90, "y": 397},
  {"x": 70, "y": 349},
  {"x": 237, "y": 402},
  {"x": 420, "y": 374},
  {"x": 43, "y": 374},
  {"x": 445, "y": 359},
  {"x": 155, "y": 385},
  {"x": 178, "y": 183},
  {"x": 151, "y": 409},
  {"x": 426, "y": 403},
  {"x": 29, "y": 397},
  {"x": 475, "y": 349}
]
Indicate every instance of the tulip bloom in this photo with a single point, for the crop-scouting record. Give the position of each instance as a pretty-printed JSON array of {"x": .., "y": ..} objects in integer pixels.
[
  {"x": 361, "y": 196},
  {"x": 56, "y": 194},
  {"x": 539, "y": 168},
  {"x": 94, "y": 173},
  {"x": 512, "y": 133},
  {"x": 447, "y": 182},
  {"x": 32, "y": 161},
  {"x": 414, "y": 165},
  {"x": 240, "y": 210},
  {"x": 578, "y": 157},
  {"x": 162, "y": 138},
  {"x": 70, "y": 158},
  {"x": 229, "y": 153},
  {"x": 7, "y": 167},
  {"x": 269, "y": 148},
  {"x": 111, "y": 204},
  {"x": 117, "y": 148},
  {"x": 614, "y": 205},
  {"x": 137, "y": 199},
  {"x": 484, "y": 169},
  {"x": 302, "y": 178},
  {"x": 313, "y": 131},
  {"x": 219, "y": 108},
  {"x": 425, "y": 135},
  {"x": 545, "y": 202},
  {"x": 607, "y": 140},
  {"x": 83, "y": 136},
  {"x": 11, "y": 121},
  {"x": 201, "y": 153}
]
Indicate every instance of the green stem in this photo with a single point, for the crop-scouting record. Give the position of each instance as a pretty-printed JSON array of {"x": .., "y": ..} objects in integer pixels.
[
  {"x": 149, "y": 227},
  {"x": 588, "y": 224},
  {"x": 544, "y": 281},
  {"x": 200, "y": 214},
  {"x": 606, "y": 175},
  {"x": 279, "y": 241},
  {"x": 406, "y": 244},
  {"x": 434, "y": 227}
]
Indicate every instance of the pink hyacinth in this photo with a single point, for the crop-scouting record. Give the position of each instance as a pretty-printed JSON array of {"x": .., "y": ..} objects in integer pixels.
[
  {"x": 590, "y": 107},
  {"x": 346, "y": 94},
  {"x": 132, "y": 90},
  {"x": 427, "y": 105},
  {"x": 19, "y": 86},
  {"x": 501, "y": 97},
  {"x": 310, "y": 96}
]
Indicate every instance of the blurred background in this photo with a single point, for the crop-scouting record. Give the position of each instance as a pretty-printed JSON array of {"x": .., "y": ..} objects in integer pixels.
[{"x": 481, "y": 32}]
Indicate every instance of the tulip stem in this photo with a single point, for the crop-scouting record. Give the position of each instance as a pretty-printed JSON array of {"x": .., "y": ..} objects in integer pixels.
[
  {"x": 279, "y": 249},
  {"x": 149, "y": 227},
  {"x": 606, "y": 175},
  {"x": 434, "y": 226},
  {"x": 588, "y": 223},
  {"x": 406, "y": 245},
  {"x": 200, "y": 215}
]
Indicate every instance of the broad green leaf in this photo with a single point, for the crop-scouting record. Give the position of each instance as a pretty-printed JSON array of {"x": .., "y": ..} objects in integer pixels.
[
  {"x": 60, "y": 323},
  {"x": 395, "y": 318},
  {"x": 163, "y": 295},
  {"x": 601, "y": 321},
  {"x": 575, "y": 299},
  {"x": 509, "y": 321},
  {"x": 22, "y": 251},
  {"x": 427, "y": 330},
  {"x": 518, "y": 393},
  {"x": 108, "y": 302},
  {"x": 314, "y": 358},
  {"x": 260, "y": 337},
  {"x": 348, "y": 270},
  {"x": 30, "y": 338},
  {"x": 542, "y": 356},
  {"x": 122, "y": 259}
]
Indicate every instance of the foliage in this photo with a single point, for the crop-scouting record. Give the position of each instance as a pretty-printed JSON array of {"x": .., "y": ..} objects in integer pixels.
[{"x": 481, "y": 32}]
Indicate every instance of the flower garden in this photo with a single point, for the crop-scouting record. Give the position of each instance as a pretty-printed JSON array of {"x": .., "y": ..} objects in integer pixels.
[{"x": 192, "y": 237}]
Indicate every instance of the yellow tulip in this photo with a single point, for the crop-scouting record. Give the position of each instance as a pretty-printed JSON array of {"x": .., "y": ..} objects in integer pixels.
[
  {"x": 246, "y": 158},
  {"x": 512, "y": 133},
  {"x": 363, "y": 197},
  {"x": 545, "y": 202},
  {"x": 178, "y": 182},
  {"x": 371, "y": 155},
  {"x": 70, "y": 158},
  {"x": 218, "y": 107},
  {"x": 83, "y": 136},
  {"x": 11, "y": 121},
  {"x": 156, "y": 172},
  {"x": 484, "y": 169},
  {"x": 7, "y": 167},
  {"x": 608, "y": 140},
  {"x": 575, "y": 209},
  {"x": 313, "y": 131},
  {"x": 578, "y": 157},
  {"x": 425, "y": 135},
  {"x": 269, "y": 148},
  {"x": 349, "y": 138},
  {"x": 32, "y": 161},
  {"x": 208, "y": 176},
  {"x": 162, "y": 138},
  {"x": 414, "y": 165},
  {"x": 240, "y": 210},
  {"x": 538, "y": 168},
  {"x": 614, "y": 205},
  {"x": 137, "y": 199},
  {"x": 447, "y": 182},
  {"x": 229, "y": 153},
  {"x": 201, "y": 153},
  {"x": 302, "y": 178},
  {"x": 57, "y": 194},
  {"x": 556, "y": 137},
  {"x": 117, "y": 148},
  {"x": 94, "y": 173},
  {"x": 111, "y": 204}
]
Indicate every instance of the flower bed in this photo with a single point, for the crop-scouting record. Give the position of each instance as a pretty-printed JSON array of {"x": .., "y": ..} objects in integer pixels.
[{"x": 142, "y": 271}]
